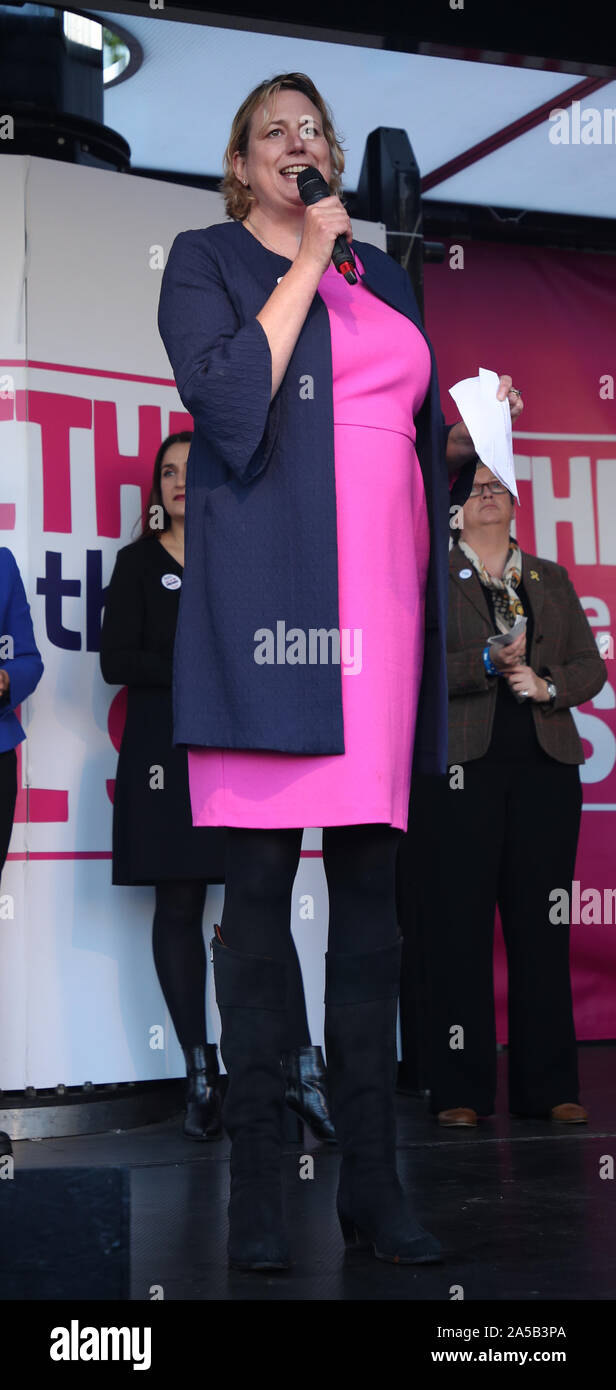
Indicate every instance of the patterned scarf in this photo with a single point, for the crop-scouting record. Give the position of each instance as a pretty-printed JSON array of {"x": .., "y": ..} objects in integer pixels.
[{"x": 507, "y": 605}]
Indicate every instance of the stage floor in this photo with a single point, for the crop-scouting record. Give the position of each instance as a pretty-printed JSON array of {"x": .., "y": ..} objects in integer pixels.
[{"x": 520, "y": 1207}]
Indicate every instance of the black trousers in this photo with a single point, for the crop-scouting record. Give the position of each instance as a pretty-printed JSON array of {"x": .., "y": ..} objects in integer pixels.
[
  {"x": 8, "y": 797},
  {"x": 508, "y": 837}
]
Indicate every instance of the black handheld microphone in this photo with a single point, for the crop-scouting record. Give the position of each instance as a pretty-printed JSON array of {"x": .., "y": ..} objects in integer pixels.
[{"x": 312, "y": 187}]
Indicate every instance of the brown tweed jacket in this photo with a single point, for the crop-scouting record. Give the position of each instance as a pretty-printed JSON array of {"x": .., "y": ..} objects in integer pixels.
[{"x": 563, "y": 650}]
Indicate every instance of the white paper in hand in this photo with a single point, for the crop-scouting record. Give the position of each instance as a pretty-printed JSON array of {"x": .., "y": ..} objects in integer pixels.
[
  {"x": 504, "y": 639},
  {"x": 488, "y": 422}
]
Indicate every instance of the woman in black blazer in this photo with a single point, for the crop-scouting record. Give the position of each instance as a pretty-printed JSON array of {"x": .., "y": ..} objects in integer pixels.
[{"x": 154, "y": 841}]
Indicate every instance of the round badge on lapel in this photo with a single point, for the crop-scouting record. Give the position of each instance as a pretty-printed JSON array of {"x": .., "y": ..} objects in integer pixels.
[
  {"x": 466, "y": 574},
  {"x": 171, "y": 581}
]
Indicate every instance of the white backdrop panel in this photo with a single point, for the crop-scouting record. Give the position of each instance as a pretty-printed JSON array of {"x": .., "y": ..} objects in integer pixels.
[{"x": 79, "y": 996}]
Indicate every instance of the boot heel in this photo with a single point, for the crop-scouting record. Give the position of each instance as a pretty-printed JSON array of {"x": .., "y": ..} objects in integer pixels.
[{"x": 354, "y": 1239}]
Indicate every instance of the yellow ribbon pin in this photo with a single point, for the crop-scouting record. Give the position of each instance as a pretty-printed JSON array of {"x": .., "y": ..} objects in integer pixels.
[{"x": 533, "y": 574}]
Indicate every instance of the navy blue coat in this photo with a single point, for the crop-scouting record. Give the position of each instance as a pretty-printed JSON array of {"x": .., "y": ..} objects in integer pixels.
[
  {"x": 261, "y": 538},
  {"x": 25, "y": 667}
]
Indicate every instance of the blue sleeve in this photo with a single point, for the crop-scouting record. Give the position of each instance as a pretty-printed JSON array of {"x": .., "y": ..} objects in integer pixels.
[
  {"x": 222, "y": 369},
  {"x": 25, "y": 667}
]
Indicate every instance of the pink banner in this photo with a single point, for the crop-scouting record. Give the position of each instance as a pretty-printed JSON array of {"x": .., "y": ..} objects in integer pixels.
[{"x": 547, "y": 317}]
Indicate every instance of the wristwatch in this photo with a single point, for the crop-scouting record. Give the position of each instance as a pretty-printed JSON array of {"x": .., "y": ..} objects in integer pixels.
[{"x": 551, "y": 690}]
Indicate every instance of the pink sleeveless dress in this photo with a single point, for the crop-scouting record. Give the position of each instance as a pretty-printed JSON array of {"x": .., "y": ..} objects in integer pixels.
[{"x": 381, "y": 372}]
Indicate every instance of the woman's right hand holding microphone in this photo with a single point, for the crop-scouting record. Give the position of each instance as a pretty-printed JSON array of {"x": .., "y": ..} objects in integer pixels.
[
  {"x": 323, "y": 222},
  {"x": 284, "y": 313}
]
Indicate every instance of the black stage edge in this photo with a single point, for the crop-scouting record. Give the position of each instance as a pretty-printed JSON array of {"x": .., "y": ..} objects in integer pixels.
[
  {"x": 57, "y": 1111},
  {"x": 525, "y": 1210}
]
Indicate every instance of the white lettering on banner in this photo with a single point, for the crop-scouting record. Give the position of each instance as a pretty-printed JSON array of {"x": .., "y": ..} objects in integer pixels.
[
  {"x": 596, "y": 611},
  {"x": 577, "y": 509},
  {"x": 598, "y": 615},
  {"x": 569, "y": 520},
  {"x": 601, "y": 762},
  {"x": 606, "y": 510},
  {"x": 96, "y": 445},
  {"x": 522, "y": 467}
]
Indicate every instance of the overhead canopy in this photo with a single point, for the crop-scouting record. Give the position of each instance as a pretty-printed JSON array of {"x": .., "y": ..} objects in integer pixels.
[{"x": 176, "y": 110}]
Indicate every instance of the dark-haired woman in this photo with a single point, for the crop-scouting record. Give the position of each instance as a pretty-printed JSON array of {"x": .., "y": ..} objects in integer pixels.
[{"x": 154, "y": 841}]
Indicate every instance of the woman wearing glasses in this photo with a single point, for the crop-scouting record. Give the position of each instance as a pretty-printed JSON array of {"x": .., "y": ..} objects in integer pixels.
[{"x": 509, "y": 813}]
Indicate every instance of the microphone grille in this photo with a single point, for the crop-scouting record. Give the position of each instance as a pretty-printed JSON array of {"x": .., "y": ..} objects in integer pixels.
[{"x": 311, "y": 186}]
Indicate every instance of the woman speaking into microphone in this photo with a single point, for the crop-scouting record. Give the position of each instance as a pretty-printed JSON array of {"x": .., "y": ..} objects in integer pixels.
[{"x": 310, "y": 655}]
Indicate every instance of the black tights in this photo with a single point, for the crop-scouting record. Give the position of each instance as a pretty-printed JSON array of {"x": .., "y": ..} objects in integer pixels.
[
  {"x": 359, "y": 863},
  {"x": 180, "y": 960}
]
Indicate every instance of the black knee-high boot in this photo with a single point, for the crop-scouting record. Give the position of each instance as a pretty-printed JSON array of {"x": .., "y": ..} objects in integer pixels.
[
  {"x": 361, "y": 994},
  {"x": 251, "y": 992}
]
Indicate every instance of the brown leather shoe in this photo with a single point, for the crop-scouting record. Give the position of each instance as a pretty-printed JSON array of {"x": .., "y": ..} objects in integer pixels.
[
  {"x": 459, "y": 1116},
  {"x": 569, "y": 1114}
]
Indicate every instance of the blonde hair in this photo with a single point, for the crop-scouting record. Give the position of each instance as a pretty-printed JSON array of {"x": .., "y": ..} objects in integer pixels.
[{"x": 238, "y": 199}]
